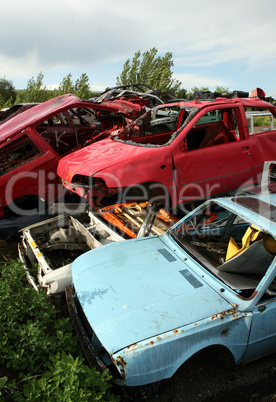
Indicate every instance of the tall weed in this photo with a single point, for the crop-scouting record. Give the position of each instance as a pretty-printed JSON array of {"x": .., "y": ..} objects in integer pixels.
[{"x": 40, "y": 355}]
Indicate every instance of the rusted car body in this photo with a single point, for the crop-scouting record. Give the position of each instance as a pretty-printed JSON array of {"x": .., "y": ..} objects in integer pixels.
[
  {"x": 48, "y": 248},
  {"x": 32, "y": 143},
  {"x": 206, "y": 285},
  {"x": 136, "y": 93},
  {"x": 178, "y": 152}
]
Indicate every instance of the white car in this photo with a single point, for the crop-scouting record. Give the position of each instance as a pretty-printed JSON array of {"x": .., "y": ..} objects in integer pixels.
[{"x": 48, "y": 248}]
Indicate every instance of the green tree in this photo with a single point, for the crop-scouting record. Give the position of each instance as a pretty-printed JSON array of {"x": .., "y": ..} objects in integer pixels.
[
  {"x": 152, "y": 70},
  {"x": 7, "y": 93},
  {"x": 201, "y": 89},
  {"x": 222, "y": 90},
  {"x": 194, "y": 90},
  {"x": 35, "y": 91},
  {"x": 182, "y": 93},
  {"x": 67, "y": 85},
  {"x": 82, "y": 87}
]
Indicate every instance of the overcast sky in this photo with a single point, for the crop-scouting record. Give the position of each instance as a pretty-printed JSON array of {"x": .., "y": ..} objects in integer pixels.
[{"x": 230, "y": 43}]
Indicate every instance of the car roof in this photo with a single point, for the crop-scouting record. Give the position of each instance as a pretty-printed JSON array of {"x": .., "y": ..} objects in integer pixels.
[
  {"x": 51, "y": 107},
  {"x": 258, "y": 208},
  {"x": 246, "y": 102}
]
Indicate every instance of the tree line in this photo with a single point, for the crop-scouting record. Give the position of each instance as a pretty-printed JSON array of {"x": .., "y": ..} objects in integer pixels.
[
  {"x": 147, "y": 68},
  {"x": 37, "y": 92}
]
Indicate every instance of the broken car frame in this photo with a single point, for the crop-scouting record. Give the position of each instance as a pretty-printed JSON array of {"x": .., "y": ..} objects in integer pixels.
[
  {"x": 32, "y": 143},
  {"x": 47, "y": 249},
  {"x": 175, "y": 153}
]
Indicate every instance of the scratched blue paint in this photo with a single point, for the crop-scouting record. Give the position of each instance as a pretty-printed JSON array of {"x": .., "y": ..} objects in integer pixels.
[{"x": 152, "y": 305}]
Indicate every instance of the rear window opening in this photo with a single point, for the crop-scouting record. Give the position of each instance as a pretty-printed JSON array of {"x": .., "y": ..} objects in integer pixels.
[
  {"x": 260, "y": 121},
  {"x": 16, "y": 153}
]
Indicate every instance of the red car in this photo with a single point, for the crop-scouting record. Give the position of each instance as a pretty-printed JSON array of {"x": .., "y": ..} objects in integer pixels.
[
  {"x": 14, "y": 110},
  {"x": 177, "y": 152},
  {"x": 32, "y": 143}
]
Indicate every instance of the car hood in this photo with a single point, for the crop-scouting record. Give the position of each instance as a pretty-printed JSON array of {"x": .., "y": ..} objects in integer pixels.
[
  {"x": 134, "y": 290},
  {"x": 98, "y": 156}
]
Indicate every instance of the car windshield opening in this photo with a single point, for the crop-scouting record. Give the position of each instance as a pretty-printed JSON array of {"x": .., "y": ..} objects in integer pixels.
[
  {"x": 230, "y": 247},
  {"x": 158, "y": 126}
]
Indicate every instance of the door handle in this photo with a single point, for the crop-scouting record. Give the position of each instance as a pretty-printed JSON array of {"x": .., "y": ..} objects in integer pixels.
[{"x": 246, "y": 149}]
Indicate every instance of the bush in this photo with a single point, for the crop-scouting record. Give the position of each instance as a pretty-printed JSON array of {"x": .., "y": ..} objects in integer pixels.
[{"x": 40, "y": 354}]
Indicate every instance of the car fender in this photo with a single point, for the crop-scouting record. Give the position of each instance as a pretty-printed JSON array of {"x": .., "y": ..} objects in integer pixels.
[
  {"x": 160, "y": 357},
  {"x": 135, "y": 171}
]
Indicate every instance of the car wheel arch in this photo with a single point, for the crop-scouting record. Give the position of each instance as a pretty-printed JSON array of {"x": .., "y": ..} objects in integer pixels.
[
  {"x": 153, "y": 192},
  {"x": 217, "y": 352},
  {"x": 221, "y": 353}
]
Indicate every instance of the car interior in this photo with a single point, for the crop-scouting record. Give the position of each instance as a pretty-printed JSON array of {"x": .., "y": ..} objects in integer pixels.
[
  {"x": 234, "y": 250},
  {"x": 214, "y": 128}
]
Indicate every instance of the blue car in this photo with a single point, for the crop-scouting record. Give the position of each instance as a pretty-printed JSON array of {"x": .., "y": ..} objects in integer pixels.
[{"x": 143, "y": 307}]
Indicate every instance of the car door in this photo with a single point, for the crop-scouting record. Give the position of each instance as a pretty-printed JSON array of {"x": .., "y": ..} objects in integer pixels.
[
  {"x": 27, "y": 167},
  {"x": 58, "y": 133},
  {"x": 262, "y": 339},
  {"x": 213, "y": 156}
]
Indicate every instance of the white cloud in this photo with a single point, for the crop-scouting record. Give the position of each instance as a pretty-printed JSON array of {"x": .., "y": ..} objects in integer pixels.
[
  {"x": 191, "y": 80},
  {"x": 52, "y": 86},
  {"x": 66, "y": 36},
  {"x": 98, "y": 87}
]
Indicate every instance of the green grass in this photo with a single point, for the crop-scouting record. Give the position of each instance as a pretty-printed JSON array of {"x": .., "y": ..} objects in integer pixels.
[{"x": 40, "y": 358}]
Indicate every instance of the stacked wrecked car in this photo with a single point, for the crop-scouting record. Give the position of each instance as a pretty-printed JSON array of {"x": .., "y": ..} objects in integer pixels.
[
  {"x": 48, "y": 248},
  {"x": 33, "y": 142},
  {"x": 175, "y": 153},
  {"x": 196, "y": 272}
]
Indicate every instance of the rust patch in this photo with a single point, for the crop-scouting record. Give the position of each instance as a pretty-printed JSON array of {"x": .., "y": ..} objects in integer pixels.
[
  {"x": 224, "y": 314},
  {"x": 121, "y": 364},
  {"x": 151, "y": 343},
  {"x": 133, "y": 346},
  {"x": 249, "y": 298},
  {"x": 225, "y": 332}
]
